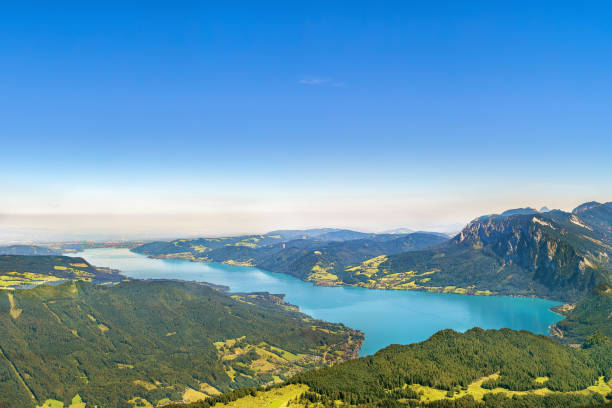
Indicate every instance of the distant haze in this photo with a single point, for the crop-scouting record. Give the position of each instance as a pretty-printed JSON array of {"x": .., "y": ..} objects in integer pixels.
[
  {"x": 118, "y": 120},
  {"x": 365, "y": 216}
]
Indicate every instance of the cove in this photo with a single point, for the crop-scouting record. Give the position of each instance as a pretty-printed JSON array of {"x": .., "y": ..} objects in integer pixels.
[{"x": 385, "y": 316}]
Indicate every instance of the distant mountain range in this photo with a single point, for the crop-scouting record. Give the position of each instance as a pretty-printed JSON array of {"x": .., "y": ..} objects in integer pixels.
[
  {"x": 398, "y": 231},
  {"x": 27, "y": 250},
  {"x": 525, "y": 252},
  {"x": 320, "y": 234}
]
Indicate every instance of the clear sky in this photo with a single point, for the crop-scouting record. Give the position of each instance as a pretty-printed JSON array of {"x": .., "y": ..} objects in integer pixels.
[{"x": 186, "y": 117}]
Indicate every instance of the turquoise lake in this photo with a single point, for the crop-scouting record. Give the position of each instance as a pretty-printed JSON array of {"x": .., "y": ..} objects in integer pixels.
[{"x": 385, "y": 316}]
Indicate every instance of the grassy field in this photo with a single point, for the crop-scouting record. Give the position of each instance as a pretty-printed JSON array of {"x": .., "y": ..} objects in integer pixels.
[
  {"x": 191, "y": 395},
  {"x": 378, "y": 278},
  {"x": 275, "y": 398},
  {"x": 285, "y": 396},
  {"x": 13, "y": 280},
  {"x": 429, "y": 394},
  {"x": 320, "y": 274},
  {"x": 77, "y": 402},
  {"x": 264, "y": 358}
]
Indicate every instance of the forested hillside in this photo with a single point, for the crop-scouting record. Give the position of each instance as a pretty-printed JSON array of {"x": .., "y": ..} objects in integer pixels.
[
  {"x": 451, "y": 361},
  {"x": 593, "y": 314},
  {"x": 321, "y": 256},
  {"x": 153, "y": 341},
  {"x": 492, "y": 368}
]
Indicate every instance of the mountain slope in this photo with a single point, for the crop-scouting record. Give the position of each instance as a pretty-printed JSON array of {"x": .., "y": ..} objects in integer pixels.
[
  {"x": 555, "y": 255},
  {"x": 598, "y": 217},
  {"x": 475, "y": 369},
  {"x": 152, "y": 340},
  {"x": 327, "y": 263},
  {"x": 321, "y": 261},
  {"x": 451, "y": 361}
]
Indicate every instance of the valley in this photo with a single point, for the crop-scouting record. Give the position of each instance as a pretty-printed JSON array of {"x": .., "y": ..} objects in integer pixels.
[
  {"x": 256, "y": 348},
  {"x": 372, "y": 311},
  {"x": 305, "y": 204}
]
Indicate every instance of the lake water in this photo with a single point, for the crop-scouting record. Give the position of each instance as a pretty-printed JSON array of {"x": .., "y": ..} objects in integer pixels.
[{"x": 385, "y": 316}]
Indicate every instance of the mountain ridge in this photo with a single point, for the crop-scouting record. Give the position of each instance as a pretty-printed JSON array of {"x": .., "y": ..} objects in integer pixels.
[
  {"x": 520, "y": 252},
  {"x": 20, "y": 249},
  {"x": 306, "y": 258},
  {"x": 554, "y": 255}
]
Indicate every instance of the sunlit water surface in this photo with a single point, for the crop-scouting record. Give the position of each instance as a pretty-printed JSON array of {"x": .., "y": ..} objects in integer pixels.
[{"x": 385, "y": 316}]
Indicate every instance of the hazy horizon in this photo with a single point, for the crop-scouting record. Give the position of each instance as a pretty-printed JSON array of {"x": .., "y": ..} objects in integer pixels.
[
  {"x": 65, "y": 227},
  {"x": 157, "y": 121}
]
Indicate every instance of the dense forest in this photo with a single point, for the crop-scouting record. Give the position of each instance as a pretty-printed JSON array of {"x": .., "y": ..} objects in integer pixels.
[
  {"x": 492, "y": 368},
  {"x": 451, "y": 360},
  {"x": 591, "y": 314},
  {"x": 155, "y": 340}
]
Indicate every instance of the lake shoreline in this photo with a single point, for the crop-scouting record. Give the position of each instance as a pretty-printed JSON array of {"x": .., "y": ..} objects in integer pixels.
[
  {"x": 326, "y": 283},
  {"x": 384, "y": 316}
]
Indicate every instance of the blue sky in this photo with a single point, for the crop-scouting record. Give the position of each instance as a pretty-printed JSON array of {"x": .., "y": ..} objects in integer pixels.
[{"x": 362, "y": 114}]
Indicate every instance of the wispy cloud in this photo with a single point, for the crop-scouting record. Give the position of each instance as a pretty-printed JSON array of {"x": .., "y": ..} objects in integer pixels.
[
  {"x": 320, "y": 81},
  {"x": 313, "y": 81}
]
